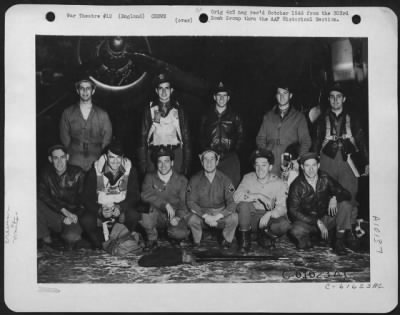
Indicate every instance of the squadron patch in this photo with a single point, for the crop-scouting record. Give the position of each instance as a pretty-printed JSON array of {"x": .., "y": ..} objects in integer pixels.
[{"x": 231, "y": 188}]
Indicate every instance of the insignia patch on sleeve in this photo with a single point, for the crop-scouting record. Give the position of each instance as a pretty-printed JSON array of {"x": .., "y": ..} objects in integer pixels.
[{"x": 231, "y": 188}]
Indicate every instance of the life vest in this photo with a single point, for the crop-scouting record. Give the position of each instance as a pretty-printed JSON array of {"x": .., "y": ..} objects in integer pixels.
[
  {"x": 331, "y": 136},
  {"x": 107, "y": 193},
  {"x": 167, "y": 130}
]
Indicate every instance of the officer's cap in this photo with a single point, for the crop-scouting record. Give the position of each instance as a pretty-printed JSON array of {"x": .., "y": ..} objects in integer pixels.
[
  {"x": 221, "y": 87},
  {"x": 308, "y": 156},
  {"x": 262, "y": 153},
  {"x": 162, "y": 78},
  {"x": 336, "y": 86}
]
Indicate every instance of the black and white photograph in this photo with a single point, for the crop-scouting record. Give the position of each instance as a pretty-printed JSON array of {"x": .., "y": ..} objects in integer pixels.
[{"x": 187, "y": 160}]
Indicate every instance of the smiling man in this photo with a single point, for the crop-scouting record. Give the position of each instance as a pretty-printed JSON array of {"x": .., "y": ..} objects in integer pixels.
[
  {"x": 164, "y": 123},
  {"x": 261, "y": 198},
  {"x": 59, "y": 199},
  {"x": 318, "y": 205},
  {"x": 111, "y": 193},
  {"x": 210, "y": 199},
  {"x": 85, "y": 129},
  {"x": 165, "y": 193},
  {"x": 283, "y": 126}
]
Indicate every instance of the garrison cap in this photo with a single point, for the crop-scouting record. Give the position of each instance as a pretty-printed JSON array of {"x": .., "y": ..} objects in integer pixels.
[
  {"x": 262, "y": 153},
  {"x": 206, "y": 150},
  {"x": 308, "y": 156}
]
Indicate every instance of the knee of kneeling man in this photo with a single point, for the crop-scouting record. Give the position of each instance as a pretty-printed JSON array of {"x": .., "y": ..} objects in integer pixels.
[{"x": 345, "y": 205}]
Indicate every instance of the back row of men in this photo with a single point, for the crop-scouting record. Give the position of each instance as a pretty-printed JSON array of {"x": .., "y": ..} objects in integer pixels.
[{"x": 316, "y": 200}]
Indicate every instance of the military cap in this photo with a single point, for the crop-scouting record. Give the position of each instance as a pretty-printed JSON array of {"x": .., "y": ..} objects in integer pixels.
[
  {"x": 51, "y": 149},
  {"x": 221, "y": 87},
  {"x": 206, "y": 150},
  {"x": 308, "y": 156},
  {"x": 262, "y": 153},
  {"x": 163, "y": 151},
  {"x": 161, "y": 78},
  {"x": 336, "y": 86}
]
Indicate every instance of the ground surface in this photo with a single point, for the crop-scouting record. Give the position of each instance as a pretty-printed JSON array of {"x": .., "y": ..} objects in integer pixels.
[{"x": 319, "y": 264}]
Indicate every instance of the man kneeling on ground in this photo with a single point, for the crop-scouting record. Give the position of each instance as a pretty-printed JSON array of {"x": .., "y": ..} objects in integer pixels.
[
  {"x": 111, "y": 193},
  {"x": 210, "y": 198},
  {"x": 165, "y": 192},
  {"x": 317, "y": 205},
  {"x": 59, "y": 206},
  {"x": 262, "y": 203}
]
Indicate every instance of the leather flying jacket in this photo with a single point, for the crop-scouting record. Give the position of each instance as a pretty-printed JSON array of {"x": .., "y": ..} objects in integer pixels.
[
  {"x": 145, "y": 128},
  {"x": 307, "y": 205},
  {"x": 62, "y": 191},
  {"x": 222, "y": 132},
  {"x": 340, "y": 142}
]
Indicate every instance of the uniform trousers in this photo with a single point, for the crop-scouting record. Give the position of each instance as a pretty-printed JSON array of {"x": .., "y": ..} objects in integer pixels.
[
  {"x": 249, "y": 218},
  {"x": 301, "y": 231},
  {"x": 49, "y": 220},
  {"x": 230, "y": 166},
  {"x": 158, "y": 219},
  {"x": 342, "y": 173},
  {"x": 228, "y": 225}
]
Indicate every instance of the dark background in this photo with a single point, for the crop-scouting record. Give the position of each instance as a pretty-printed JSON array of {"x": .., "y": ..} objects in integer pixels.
[{"x": 250, "y": 66}]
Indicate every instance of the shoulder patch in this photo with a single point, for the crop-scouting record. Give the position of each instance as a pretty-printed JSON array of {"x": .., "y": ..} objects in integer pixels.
[{"x": 231, "y": 188}]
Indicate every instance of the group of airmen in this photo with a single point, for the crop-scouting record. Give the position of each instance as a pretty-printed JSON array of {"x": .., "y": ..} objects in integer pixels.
[{"x": 90, "y": 179}]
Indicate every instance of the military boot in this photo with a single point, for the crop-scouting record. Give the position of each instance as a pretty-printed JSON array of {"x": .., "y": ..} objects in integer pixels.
[
  {"x": 266, "y": 239},
  {"x": 339, "y": 248},
  {"x": 244, "y": 241},
  {"x": 352, "y": 241}
]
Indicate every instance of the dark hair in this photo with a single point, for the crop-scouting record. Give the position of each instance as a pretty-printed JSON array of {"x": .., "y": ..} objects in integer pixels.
[
  {"x": 56, "y": 147},
  {"x": 115, "y": 147}
]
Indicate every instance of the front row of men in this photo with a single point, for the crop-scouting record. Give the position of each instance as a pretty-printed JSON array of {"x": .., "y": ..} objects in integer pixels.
[{"x": 71, "y": 205}]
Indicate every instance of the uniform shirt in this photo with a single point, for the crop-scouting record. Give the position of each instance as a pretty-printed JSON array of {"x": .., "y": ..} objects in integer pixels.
[
  {"x": 158, "y": 193},
  {"x": 274, "y": 188},
  {"x": 85, "y": 138},
  {"x": 203, "y": 196}
]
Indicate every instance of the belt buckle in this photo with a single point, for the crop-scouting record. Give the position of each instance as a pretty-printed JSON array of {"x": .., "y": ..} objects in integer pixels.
[{"x": 335, "y": 138}]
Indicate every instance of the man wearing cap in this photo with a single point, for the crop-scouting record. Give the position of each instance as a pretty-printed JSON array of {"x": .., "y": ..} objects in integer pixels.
[
  {"x": 318, "y": 204},
  {"x": 261, "y": 198},
  {"x": 85, "y": 129},
  {"x": 283, "y": 126},
  {"x": 210, "y": 199},
  {"x": 59, "y": 206},
  {"x": 111, "y": 193},
  {"x": 165, "y": 193},
  {"x": 221, "y": 129},
  {"x": 338, "y": 135},
  {"x": 164, "y": 123}
]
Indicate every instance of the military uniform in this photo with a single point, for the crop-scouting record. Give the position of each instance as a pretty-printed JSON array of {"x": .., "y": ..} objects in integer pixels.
[
  {"x": 212, "y": 198},
  {"x": 251, "y": 212},
  {"x": 158, "y": 194}
]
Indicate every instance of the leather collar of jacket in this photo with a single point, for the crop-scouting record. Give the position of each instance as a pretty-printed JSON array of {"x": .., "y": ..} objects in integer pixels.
[{"x": 320, "y": 181}]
